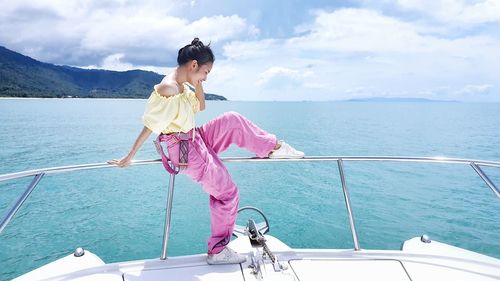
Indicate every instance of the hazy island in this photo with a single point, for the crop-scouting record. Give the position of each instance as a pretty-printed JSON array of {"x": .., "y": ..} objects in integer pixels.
[{"x": 395, "y": 99}]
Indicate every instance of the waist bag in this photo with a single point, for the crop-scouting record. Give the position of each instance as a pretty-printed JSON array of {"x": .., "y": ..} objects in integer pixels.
[{"x": 170, "y": 140}]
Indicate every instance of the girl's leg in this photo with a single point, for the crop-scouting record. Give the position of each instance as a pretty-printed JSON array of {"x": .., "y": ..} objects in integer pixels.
[
  {"x": 234, "y": 128},
  {"x": 224, "y": 200},
  {"x": 205, "y": 167}
]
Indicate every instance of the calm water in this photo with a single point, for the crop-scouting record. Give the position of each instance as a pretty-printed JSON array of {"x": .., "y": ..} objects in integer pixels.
[{"x": 118, "y": 213}]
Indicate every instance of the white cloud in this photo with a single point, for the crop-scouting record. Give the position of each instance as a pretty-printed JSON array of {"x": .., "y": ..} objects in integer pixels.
[
  {"x": 219, "y": 27},
  {"x": 362, "y": 30},
  {"x": 456, "y": 11},
  {"x": 359, "y": 52},
  {"x": 361, "y": 92},
  {"x": 460, "y": 92},
  {"x": 276, "y": 71},
  {"x": 250, "y": 50},
  {"x": 131, "y": 30},
  {"x": 115, "y": 62},
  {"x": 339, "y": 54},
  {"x": 474, "y": 90},
  {"x": 350, "y": 30},
  {"x": 76, "y": 32}
]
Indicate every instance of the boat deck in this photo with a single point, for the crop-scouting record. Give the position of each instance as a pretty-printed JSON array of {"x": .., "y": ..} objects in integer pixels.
[{"x": 416, "y": 261}]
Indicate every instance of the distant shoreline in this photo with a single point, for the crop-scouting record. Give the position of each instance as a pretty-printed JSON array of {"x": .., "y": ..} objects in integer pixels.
[
  {"x": 19, "y": 98},
  {"x": 55, "y": 98},
  {"x": 292, "y": 101},
  {"x": 79, "y": 98},
  {"x": 397, "y": 99}
]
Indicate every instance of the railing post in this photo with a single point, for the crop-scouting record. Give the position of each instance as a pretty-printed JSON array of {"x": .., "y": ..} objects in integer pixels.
[
  {"x": 20, "y": 201},
  {"x": 168, "y": 215},
  {"x": 486, "y": 179},
  {"x": 348, "y": 205}
]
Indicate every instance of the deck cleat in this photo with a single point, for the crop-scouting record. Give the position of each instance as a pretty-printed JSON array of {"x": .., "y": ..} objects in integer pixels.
[{"x": 425, "y": 238}]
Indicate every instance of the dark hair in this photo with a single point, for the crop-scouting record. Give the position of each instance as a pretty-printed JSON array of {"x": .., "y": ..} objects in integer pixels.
[{"x": 195, "y": 51}]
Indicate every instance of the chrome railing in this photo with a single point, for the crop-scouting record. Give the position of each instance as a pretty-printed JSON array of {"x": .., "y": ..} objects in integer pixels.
[{"x": 38, "y": 175}]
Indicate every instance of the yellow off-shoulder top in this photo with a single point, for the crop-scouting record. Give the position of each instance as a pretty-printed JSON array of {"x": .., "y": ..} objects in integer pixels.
[{"x": 171, "y": 114}]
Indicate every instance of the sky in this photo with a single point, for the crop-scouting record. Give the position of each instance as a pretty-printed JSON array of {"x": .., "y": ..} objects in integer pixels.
[{"x": 278, "y": 50}]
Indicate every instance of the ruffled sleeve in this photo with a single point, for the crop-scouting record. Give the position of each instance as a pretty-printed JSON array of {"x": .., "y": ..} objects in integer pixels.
[
  {"x": 160, "y": 112},
  {"x": 193, "y": 100}
]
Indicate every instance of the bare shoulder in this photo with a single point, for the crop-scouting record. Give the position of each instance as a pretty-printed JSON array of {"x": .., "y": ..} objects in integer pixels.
[{"x": 167, "y": 87}]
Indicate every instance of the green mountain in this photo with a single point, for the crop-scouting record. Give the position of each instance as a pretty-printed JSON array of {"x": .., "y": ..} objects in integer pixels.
[{"x": 22, "y": 76}]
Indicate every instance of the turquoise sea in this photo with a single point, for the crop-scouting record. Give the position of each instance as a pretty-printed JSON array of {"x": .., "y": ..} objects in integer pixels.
[{"x": 118, "y": 214}]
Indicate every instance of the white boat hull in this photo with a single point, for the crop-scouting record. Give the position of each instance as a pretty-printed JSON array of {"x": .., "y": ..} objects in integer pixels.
[{"x": 416, "y": 261}]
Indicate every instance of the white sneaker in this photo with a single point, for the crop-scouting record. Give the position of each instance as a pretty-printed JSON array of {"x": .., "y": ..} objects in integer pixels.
[
  {"x": 226, "y": 256},
  {"x": 286, "y": 151}
]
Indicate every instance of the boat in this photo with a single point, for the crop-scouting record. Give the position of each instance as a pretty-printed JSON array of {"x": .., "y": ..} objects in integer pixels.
[{"x": 268, "y": 258}]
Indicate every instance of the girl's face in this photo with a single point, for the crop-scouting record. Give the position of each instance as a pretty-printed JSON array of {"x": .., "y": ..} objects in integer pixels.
[{"x": 198, "y": 72}]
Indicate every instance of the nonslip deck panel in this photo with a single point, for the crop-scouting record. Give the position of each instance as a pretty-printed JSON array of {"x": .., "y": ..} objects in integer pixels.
[
  {"x": 347, "y": 270},
  {"x": 189, "y": 273}
]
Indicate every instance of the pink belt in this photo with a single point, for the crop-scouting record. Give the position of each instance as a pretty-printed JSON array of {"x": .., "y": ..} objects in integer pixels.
[{"x": 170, "y": 140}]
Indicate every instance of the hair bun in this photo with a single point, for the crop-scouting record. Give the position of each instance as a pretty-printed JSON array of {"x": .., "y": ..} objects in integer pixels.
[
  {"x": 195, "y": 51},
  {"x": 196, "y": 42}
]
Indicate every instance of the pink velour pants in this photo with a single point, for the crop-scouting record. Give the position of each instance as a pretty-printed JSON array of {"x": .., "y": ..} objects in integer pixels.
[{"x": 205, "y": 167}]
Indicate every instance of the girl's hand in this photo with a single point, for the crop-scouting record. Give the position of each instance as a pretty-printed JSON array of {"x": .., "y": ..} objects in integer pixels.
[
  {"x": 200, "y": 94},
  {"x": 122, "y": 163}
]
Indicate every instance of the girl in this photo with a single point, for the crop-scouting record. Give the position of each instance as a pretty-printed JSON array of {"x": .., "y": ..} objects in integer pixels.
[{"x": 170, "y": 112}]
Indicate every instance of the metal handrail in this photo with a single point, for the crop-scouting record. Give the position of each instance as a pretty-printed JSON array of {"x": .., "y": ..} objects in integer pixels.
[
  {"x": 39, "y": 173},
  {"x": 62, "y": 169}
]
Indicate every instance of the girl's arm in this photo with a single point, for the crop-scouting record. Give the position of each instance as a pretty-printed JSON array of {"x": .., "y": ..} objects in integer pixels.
[
  {"x": 125, "y": 161},
  {"x": 200, "y": 94}
]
